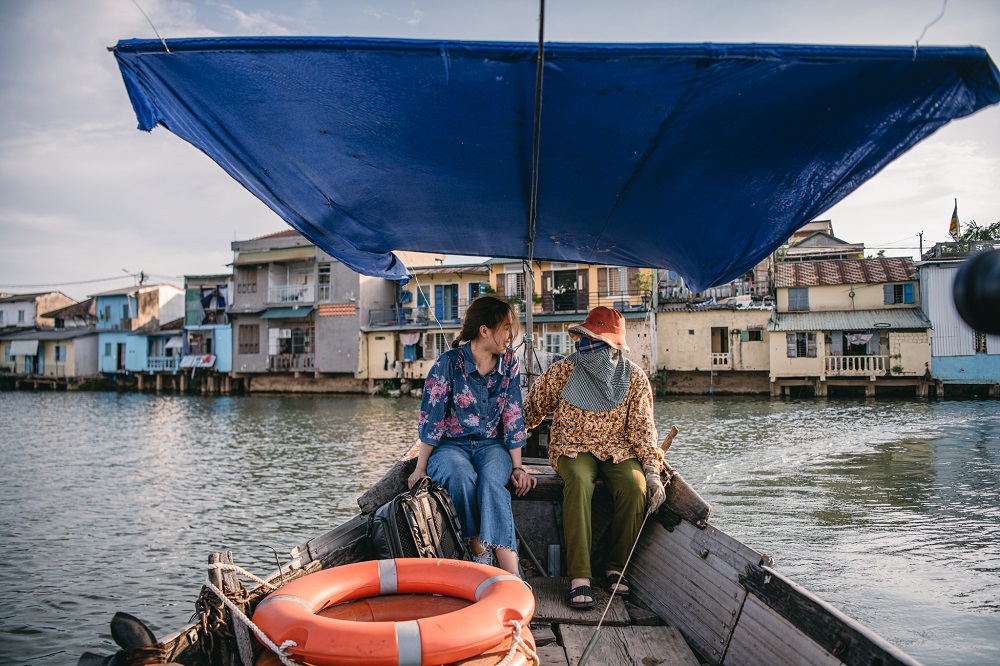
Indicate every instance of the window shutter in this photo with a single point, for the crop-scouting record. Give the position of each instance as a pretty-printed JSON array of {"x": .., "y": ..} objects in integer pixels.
[
  {"x": 547, "y": 303},
  {"x": 811, "y": 345},
  {"x": 499, "y": 289},
  {"x": 633, "y": 285},
  {"x": 582, "y": 287},
  {"x": 602, "y": 280},
  {"x": 837, "y": 343},
  {"x": 790, "y": 345},
  {"x": 744, "y": 336},
  {"x": 429, "y": 351},
  {"x": 439, "y": 301},
  {"x": 908, "y": 293},
  {"x": 887, "y": 294}
]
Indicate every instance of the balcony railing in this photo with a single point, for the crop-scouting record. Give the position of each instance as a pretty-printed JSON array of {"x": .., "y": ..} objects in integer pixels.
[
  {"x": 416, "y": 316},
  {"x": 293, "y": 293},
  {"x": 720, "y": 361},
  {"x": 291, "y": 362},
  {"x": 161, "y": 363},
  {"x": 855, "y": 366}
]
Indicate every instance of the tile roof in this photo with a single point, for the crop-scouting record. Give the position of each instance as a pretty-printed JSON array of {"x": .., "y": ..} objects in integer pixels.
[{"x": 844, "y": 271}]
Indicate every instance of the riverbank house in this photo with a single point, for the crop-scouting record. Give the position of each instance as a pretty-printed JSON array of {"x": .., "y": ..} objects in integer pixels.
[{"x": 849, "y": 325}]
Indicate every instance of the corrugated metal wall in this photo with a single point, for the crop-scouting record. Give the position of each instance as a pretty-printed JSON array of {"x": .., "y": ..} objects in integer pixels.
[{"x": 950, "y": 336}]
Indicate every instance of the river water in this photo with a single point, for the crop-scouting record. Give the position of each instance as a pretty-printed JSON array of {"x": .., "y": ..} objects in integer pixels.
[{"x": 889, "y": 510}]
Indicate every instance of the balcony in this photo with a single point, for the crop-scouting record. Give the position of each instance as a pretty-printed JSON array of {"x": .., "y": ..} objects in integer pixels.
[
  {"x": 162, "y": 363},
  {"x": 416, "y": 316},
  {"x": 295, "y": 293},
  {"x": 721, "y": 361},
  {"x": 855, "y": 366},
  {"x": 291, "y": 362}
]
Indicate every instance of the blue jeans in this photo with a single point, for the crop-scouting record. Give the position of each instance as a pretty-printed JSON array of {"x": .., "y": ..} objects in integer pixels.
[{"x": 475, "y": 474}]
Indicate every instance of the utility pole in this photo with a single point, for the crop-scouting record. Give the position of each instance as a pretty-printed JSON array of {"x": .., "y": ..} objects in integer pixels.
[{"x": 921, "y": 234}]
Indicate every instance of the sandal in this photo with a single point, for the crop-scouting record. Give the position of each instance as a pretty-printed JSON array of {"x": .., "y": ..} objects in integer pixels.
[
  {"x": 611, "y": 582},
  {"x": 581, "y": 591}
]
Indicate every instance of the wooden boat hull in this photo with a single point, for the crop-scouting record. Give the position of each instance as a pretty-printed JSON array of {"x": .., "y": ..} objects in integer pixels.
[{"x": 726, "y": 599}]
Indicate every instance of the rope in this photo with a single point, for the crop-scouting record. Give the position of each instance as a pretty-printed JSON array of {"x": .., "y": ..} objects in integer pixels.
[
  {"x": 518, "y": 642},
  {"x": 222, "y": 566},
  {"x": 280, "y": 650}
]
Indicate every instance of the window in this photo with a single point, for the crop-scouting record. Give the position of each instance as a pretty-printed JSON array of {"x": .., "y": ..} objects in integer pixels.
[
  {"x": 798, "y": 299},
  {"x": 514, "y": 285},
  {"x": 107, "y": 349},
  {"x": 125, "y": 311},
  {"x": 557, "y": 343},
  {"x": 1, "y": 317},
  {"x": 475, "y": 290},
  {"x": 20, "y": 316},
  {"x": 898, "y": 293},
  {"x": 107, "y": 313},
  {"x": 324, "y": 282},
  {"x": 436, "y": 344},
  {"x": 246, "y": 280},
  {"x": 248, "y": 341},
  {"x": 290, "y": 341},
  {"x": 980, "y": 343},
  {"x": 752, "y": 336},
  {"x": 6, "y": 354},
  {"x": 617, "y": 281},
  {"x": 801, "y": 345},
  {"x": 60, "y": 353}
]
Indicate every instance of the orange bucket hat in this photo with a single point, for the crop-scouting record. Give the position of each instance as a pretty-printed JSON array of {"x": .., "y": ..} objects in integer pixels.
[{"x": 606, "y": 325}]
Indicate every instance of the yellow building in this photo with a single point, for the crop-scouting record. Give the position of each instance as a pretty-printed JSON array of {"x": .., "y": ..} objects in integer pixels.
[
  {"x": 713, "y": 347},
  {"x": 402, "y": 342},
  {"x": 848, "y": 323},
  {"x": 565, "y": 292}
]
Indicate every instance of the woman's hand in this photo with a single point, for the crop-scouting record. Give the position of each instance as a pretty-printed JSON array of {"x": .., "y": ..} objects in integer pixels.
[
  {"x": 418, "y": 474},
  {"x": 523, "y": 482}
]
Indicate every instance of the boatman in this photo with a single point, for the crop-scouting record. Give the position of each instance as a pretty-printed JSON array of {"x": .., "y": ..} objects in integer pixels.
[{"x": 602, "y": 426}]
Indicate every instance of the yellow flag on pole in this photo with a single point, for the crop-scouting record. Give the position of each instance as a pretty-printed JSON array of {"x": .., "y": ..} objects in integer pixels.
[{"x": 953, "y": 228}]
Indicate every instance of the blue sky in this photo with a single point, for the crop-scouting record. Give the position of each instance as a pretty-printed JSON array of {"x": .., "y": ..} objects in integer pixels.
[{"x": 85, "y": 196}]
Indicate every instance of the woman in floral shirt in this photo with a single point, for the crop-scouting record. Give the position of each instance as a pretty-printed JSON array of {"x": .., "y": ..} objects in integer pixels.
[{"x": 472, "y": 429}]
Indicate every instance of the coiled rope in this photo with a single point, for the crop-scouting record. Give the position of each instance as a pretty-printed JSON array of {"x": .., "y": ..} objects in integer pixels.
[{"x": 237, "y": 613}]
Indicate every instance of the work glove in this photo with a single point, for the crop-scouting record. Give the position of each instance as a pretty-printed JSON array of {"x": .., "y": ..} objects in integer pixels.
[{"x": 655, "y": 492}]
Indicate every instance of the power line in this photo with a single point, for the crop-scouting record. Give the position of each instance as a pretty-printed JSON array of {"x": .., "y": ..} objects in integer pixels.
[{"x": 129, "y": 276}]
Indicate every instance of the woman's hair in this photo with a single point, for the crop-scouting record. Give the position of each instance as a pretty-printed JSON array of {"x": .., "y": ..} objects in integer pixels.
[{"x": 488, "y": 311}]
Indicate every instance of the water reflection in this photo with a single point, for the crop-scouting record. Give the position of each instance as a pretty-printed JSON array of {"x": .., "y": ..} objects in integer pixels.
[{"x": 889, "y": 510}]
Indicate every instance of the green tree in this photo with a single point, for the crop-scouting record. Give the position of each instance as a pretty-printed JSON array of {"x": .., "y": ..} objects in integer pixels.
[{"x": 974, "y": 232}]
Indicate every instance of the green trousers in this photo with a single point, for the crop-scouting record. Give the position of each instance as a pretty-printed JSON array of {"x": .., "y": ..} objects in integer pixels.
[{"x": 627, "y": 485}]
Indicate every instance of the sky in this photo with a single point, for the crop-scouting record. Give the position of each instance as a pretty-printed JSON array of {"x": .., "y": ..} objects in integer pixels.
[{"x": 87, "y": 200}]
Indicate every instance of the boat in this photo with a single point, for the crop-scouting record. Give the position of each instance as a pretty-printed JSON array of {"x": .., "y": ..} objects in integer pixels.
[
  {"x": 699, "y": 595},
  {"x": 366, "y": 146}
]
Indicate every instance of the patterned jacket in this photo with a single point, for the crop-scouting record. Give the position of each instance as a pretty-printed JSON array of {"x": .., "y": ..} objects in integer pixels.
[{"x": 627, "y": 431}]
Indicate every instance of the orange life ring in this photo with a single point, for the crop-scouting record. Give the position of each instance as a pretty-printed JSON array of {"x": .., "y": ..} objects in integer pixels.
[{"x": 498, "y": 597}]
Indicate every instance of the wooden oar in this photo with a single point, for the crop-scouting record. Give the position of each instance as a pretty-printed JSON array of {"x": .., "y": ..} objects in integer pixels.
[{"x": 669, "y": 439}]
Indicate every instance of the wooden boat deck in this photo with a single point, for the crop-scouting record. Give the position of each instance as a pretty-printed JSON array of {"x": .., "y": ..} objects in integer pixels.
[{"x": 562, "y": 633}]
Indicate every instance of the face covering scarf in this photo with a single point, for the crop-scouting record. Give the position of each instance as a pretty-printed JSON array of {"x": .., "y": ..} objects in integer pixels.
[{"x": 600, "y": 377}]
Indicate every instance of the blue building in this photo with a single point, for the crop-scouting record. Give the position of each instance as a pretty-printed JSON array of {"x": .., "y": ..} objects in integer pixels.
[
  {"x": 961, "y": 358},
  {"x": 208, "y": 337},
  {"x": 122, "y": 312}
]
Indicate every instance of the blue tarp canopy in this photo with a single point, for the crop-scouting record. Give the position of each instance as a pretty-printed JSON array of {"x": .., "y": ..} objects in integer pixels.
[{"x": 698, "y": 158}]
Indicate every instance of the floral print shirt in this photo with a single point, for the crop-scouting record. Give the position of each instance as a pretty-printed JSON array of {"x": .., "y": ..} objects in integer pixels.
[
  {"x": 623, "y": 432},
  {"x": 461, "y": 404}
]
